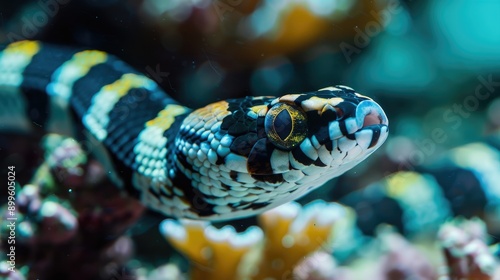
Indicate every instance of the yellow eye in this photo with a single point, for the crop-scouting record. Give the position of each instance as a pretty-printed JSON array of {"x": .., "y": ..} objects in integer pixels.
[{"x": 286, "y": 126}]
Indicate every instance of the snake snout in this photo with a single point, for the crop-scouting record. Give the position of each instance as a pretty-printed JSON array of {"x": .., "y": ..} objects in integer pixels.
[
  {"x": 372, "y": 123},
  {"x": 370, "y": 113}
]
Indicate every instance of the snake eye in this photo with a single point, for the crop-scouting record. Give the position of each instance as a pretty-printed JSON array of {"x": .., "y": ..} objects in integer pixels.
[{"x": 286, "y": 126}]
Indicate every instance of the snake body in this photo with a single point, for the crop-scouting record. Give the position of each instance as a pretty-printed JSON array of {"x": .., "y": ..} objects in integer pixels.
[{"x": 229, "y": 159}]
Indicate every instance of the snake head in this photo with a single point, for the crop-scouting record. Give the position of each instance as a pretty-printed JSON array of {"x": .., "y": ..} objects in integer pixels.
[
  {"x": 324, "y": 116},
  {"x": 248, "y": 155},
  {"x": 321, "y": 134},
  {"x": 303, "y": 140},
  {"x": 332, "y": 127}
]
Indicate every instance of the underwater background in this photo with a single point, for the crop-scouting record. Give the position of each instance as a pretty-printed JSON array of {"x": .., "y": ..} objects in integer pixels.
[{"x": 434, "y": 66}]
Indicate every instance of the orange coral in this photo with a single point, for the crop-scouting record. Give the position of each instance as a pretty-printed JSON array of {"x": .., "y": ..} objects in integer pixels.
[
  {"x": 292, "y": 233},
  {"x": 289, "y": 234},
  {"x": 214, "y": 253}
]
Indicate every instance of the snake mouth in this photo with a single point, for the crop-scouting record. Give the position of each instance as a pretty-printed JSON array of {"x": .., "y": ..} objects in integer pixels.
[{"x": 379, "y": 131}]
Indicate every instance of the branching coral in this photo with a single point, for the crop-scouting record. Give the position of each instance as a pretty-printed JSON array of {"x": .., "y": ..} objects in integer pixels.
[
  {"x": 213, "y": 253},
  {"x": 292, "y": 233},
  {"x": 320, "y": 266},
  {"x": 293, "y": 242},
  {"x": 289, "y": 234},
  {"x": 400, "y": 259}
]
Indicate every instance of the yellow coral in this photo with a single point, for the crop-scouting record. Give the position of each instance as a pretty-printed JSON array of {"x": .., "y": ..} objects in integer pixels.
[
  {"x": 213, "y": 253},
  {"x": 289, "y": 234}
]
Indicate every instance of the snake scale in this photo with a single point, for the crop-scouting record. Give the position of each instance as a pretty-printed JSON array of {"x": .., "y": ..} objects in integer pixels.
[{"x": 229, "y": 159}]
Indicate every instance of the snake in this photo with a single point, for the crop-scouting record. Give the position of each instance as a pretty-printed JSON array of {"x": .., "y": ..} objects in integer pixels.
[{"x": 230, "y": 159}]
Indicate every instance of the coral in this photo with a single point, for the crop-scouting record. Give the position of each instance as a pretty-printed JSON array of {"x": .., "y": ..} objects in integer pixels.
[
  {"x": 165, "y": 272},
  {"x": 401, "y": 259},
  {"x": 70, "y": 219},
  {"x": 293, "y": 232},
  {"x": 320, "y": 266},
  {"x": 296, "y": 25},
  {"x": 289, "y": 234},
  {"x": 213, "y": 253},
  {"x": 466, "y": 253},
  {"x": 295, "y": 242}
]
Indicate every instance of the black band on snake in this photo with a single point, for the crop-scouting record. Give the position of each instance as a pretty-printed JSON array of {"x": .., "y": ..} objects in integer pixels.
[{"x": 230, "y": 159}]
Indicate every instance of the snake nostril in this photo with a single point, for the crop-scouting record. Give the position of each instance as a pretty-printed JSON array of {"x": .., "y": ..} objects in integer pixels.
[{"x": 340, "y": 113}]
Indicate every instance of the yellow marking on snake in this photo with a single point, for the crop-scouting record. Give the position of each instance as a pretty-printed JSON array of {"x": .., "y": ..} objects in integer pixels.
[
  {"x": 215, "y": 108},
  {"x": 289, "y": 97},
  {"x": 166, "y": 116},
  {"x": 88, "y": 58},
  {"x": 125, "y": 83},
  {"x": 149, "y": 150},
  {"x": 27, "y": 48},
  {"x": 81, "y": 63},
  {"x": 213, "y": 112},
  {"x": 260, "y": 110},
  {"x": 14, "y": 59},
  {"x": 315, "y": 103},
  {"x": 61, "y": 86},
  {"x": 72, "y": 70},
  {"x": 97, "y": 116}
]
